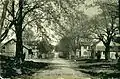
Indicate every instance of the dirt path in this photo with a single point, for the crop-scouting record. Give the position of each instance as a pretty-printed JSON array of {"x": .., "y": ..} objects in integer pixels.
[{"x": 59, "y": 69}]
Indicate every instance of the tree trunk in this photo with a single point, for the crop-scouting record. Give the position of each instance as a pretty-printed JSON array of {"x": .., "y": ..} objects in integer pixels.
[
  {"x": 18, "y": 27},
  {"x": 19, "y": 43},
  {"x": 93, "y": 53},
  {"x": 107, "y": 52},
  {"x": 19, "y": 47},
  {"x": 74, "y": 53},
  {"x": 69, "y": 55}
]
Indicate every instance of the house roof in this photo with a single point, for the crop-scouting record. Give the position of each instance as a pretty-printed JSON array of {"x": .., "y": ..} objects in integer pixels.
[
  {"x": 113, "y": 46},
  {"x": 95, "y": 43},
  {"x": 25, "y": 46},
  {"x": 9, "y": 42},
  {"x": 35, "y": 50},
  {"x": 85, "y": 43}
]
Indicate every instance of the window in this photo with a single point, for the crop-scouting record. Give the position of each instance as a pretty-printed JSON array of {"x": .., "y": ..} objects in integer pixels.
[
  {"x": 85, "y": 47},
  {"x": 4, "y": 47},
  {"x": 89, "y": 47},
  {"x": 85, "y": 53}
]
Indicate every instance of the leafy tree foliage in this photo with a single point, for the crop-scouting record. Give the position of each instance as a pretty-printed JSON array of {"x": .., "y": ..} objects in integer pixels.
[
  {"x": 106, "y": 24},
  {"x": 44, "y": 47}
]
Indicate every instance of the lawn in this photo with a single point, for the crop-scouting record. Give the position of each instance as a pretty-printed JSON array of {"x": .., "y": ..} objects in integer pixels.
[{"x": 101, "y": 69}]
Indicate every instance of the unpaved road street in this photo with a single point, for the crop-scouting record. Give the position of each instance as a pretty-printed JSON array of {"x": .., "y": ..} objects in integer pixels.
[{"x": 59, "y": 69}]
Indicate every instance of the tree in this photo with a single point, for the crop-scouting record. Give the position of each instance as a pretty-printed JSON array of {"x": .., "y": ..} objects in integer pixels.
[
  {"x": 44, "y": 47},
  {"x": 28, "y": 36},
  {"x": 2, "y": 21},
  {"x": 42, "y": 14},
  {"x": 16, "y": 14},
  {"x": 65, "y": 46},
  {"x": 105, "y": 24}
]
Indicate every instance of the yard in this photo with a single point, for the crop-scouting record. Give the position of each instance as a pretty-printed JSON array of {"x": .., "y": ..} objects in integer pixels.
[{"x": 101, "y": 69}]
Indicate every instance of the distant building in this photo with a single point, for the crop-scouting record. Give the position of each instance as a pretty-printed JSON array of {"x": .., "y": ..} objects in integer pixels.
[
  {"x": 114, "y": 48},
  {"x": 84, "y": 50},
  {"x": 9, "y": 49},
  {"x": 35, "y": 53}
]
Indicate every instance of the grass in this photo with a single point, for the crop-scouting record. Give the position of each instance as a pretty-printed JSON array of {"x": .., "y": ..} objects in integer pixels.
[
  {"x": 101, "y": 69},
  {"x": 28, "y": 67}
]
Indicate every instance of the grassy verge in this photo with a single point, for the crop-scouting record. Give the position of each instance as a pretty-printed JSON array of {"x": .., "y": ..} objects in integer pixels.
[
  {"x": 28, "y": 67},
  {"x": 101, "y": 69}
]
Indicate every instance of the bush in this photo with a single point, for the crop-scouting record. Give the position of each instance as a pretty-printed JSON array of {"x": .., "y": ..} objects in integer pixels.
[
  {"x": 35, "y": 65},
  {"x": 10, "y": 68}
]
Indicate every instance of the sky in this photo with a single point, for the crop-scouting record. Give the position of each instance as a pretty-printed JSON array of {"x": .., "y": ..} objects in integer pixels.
[{"x": 91, "y": 11}]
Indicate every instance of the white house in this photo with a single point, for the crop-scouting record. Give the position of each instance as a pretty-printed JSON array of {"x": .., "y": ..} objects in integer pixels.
[
  {"x": 84, "y": 50},
  {"x": 114, "y": 48},
  {"x": 27, "y": 49},
  {"x": 35, "y": 53}
]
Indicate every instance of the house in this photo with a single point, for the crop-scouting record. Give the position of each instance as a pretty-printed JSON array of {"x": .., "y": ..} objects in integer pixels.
[
  {"x": 35, "y": 53},
  {"x": 84, "y": 50},
  {"x": 114, "y": 48},
  {"x": 9, "y": 49},
  {"x": 28, "y": 51}
]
